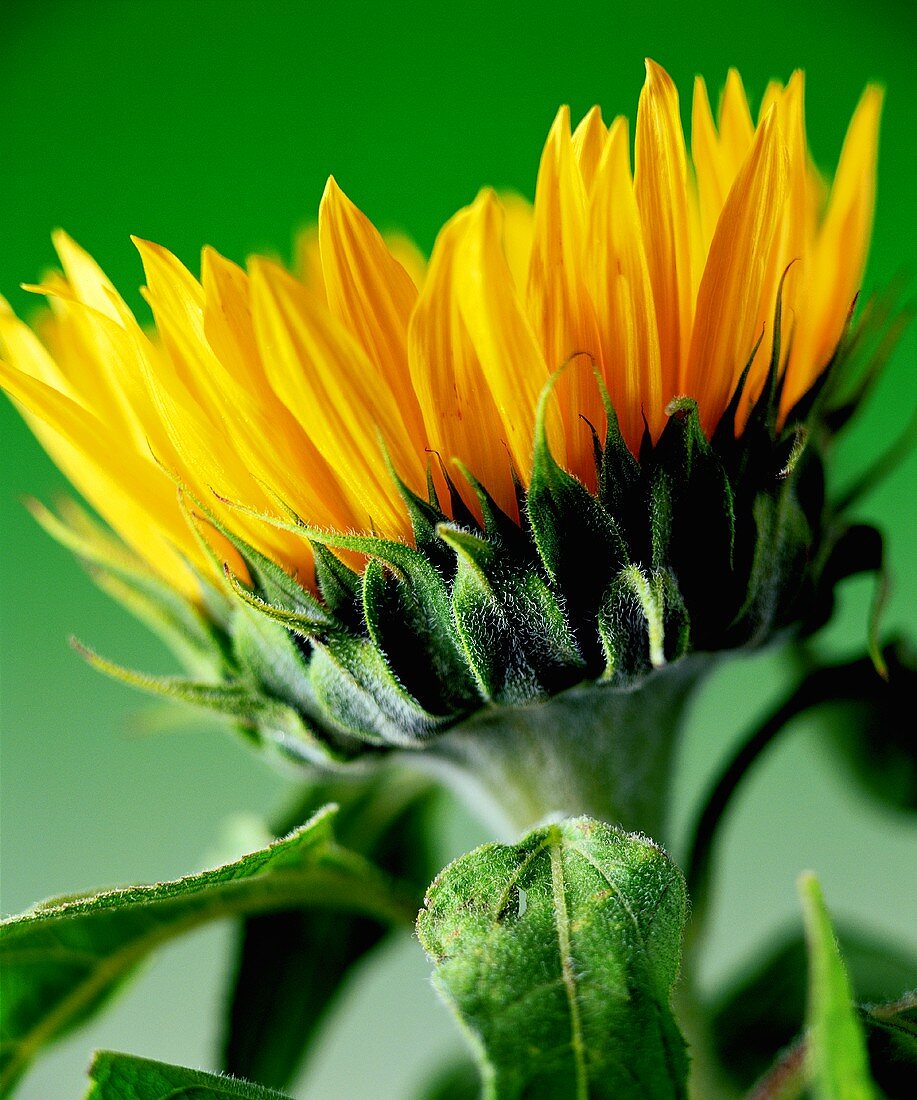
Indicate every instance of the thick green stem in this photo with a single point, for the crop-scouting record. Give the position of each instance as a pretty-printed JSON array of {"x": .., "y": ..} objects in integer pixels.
[{"x": 594, "y": 749}]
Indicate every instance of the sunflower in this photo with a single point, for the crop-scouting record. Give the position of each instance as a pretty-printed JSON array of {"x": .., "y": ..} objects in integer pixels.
[{"x": 573, "y": 447}]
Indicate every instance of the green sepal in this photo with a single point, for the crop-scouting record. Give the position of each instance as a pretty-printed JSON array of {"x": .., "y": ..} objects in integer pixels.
[
  {"x": 693, "y": 520},
  {"x": 339, "y": 585},
  {"x": 351, "y": 681},
  {"x": 725, "y": 434},
  {"x": 425, "y": 516},
  {"x": 117, "y": 1076},
  {"x": 270, "y": 661},
  {"x": 356, "y": 690},
  {"x": 643, "y": 623},
  {"x": 272, "y": 582},
  {"x": 620, "y": 483},
  {"x": 499, "y": 528},
  {"x": 399, "y": 627},
  {"x": 517, "y": 640},
  {"x": 559, "y": 955},
  {"x": 778, "y": 571},
  {"x": 580, "y": 545},
  {"x": 194, "y": 638},
  {"x": 425, "y": 590},
  {"x": 260, "y": 718}
]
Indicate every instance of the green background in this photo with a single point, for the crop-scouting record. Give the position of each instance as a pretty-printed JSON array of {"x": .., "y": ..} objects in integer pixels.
[{"x": 203, "y": 122}]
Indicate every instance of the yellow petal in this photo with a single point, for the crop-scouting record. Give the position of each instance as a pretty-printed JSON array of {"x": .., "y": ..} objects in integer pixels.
[
  {"x": 215, "y": 420},
  {"x": 660, "y": 183},
  {"x": 369, "y": 292},
  {"x": 503, "y": 339},
  {"x": 729, "y": 299},
  {"x": 406, "y": 252},
  {"x": 558, "y": 301},
  {"x": 737, "y": 131},
  {"x": 324, "y": 377},
  {"x": 518, "y": 233},
  {"x": 839, "y": 254},
  {"x": 460, "y": 416},
  {"x": 23, "y": 350},
  {"x": 292, "y": 466},
  {"x": 89, "y": 282},
  {"x": 620, "y": 285},
  {"x": 713, "y": 176},
  {"x": 129, "y": 491},
  {"x": 791, "y": 243},
  {"x": 773, "y": 93},
  {"x": 94, "y": 356},
  {"x": 588, "y": 143},
  {"x": 307, "y": 262}
]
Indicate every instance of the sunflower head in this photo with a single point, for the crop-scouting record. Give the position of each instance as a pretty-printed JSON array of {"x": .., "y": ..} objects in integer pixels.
[{"x": 371, "y": 496}]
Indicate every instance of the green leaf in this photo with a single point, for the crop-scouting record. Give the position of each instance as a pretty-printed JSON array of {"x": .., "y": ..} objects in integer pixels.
[
  {"x": 61, "y": 960},
  {"x": 559, "y": 955},
  {"x": 763, "y": 1011},
  {"x": 291, "y": 964},
  {"x": 838, "y": 1065},
  {"x": 125, "y": 1077}
]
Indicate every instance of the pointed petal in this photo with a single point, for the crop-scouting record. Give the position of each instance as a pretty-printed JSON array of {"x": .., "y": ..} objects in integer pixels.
[
  {"x": 89, "y": 282},
  {"x": 128, "y": 490},
  {"x": 406, "y": 253},
  {"x": 307, "y": 263},
  {"x": 510, "y": 357},
  {"x": 839, "y": 254},
  {"x": 518, "y": 234},
  {"x": 729, "y": 299},
  {"x": 622, "y": 292},
  {"x": 588, "y": 143},
  {"x": 737, "y": 131},
  {"x": 558, "y": 301},
  {"x": 369, "y": 292},
  {"x": 324, "y": 377},
  {"x": 713, "y": 180},
  {"x": 660, "y": 183},
  {"x": 215, "y": 420},
  {"x": 22, "y": 349},
  {"x": 460, "y": 416}
]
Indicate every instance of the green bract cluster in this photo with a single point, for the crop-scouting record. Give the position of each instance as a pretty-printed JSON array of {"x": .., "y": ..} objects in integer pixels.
[{"x": 695, "y": 545}]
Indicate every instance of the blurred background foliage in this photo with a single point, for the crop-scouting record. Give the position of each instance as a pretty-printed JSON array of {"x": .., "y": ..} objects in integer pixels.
[{"x": 218, "y": 122}]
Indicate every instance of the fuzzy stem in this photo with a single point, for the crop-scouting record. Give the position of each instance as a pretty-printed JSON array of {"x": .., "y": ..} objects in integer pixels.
[{"x": 594, "y": 749}]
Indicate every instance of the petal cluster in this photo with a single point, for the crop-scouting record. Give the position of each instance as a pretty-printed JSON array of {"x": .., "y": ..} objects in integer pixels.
[{"x": 309, "y": 387}]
